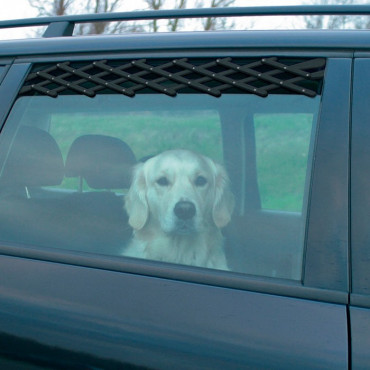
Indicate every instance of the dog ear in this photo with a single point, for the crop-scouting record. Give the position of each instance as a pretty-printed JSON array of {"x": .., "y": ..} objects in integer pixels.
[
  {"x": 223, "y": 205},
  {"x": 135, "y": 200}
]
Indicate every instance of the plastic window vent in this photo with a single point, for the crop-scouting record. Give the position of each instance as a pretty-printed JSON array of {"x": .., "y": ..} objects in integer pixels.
[{"x": 214, "y": 77}]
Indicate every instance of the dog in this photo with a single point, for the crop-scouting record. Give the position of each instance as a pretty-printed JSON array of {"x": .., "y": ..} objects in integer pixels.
[{"x": 177, "y": 204}]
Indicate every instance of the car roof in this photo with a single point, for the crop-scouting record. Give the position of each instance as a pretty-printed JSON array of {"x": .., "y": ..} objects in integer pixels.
[
  {"x": 55, "y": 42},
  {"x": 345, "y": 40}
]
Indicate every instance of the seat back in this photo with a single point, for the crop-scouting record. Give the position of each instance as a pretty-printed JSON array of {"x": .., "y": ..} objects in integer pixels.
[
  {"x": 34, "y": 160},
  {"x": 104, "y": 162},
  {"x": 55, "y": 218}
]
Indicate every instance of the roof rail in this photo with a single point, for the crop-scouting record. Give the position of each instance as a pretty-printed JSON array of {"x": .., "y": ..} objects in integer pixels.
[{"x": 64, "y": 25}]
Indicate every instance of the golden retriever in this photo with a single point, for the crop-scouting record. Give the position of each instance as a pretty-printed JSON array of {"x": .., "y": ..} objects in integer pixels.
[{"x": 177, "y": 203}]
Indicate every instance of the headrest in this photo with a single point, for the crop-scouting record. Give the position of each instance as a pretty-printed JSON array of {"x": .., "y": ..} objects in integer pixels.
[
  {"x": 34, "y": 160},
  {"x": 105, "y": 162}
]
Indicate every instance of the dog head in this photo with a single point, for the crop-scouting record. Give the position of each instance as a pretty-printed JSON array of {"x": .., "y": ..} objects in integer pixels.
[{"x": 179, "y": 192}]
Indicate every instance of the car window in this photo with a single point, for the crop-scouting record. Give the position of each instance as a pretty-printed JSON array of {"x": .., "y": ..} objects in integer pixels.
[
  {"x": 282, "y": 149},
  {"x": 147, "y": 133},
  {"x": 219, "y": 182}
]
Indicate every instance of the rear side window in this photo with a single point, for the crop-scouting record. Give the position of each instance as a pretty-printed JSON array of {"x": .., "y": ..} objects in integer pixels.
[{"x": 203, "y": 163}]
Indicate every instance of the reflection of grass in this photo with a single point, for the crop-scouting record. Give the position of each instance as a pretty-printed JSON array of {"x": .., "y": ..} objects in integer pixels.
[
  {"x": 281, "y": 140},
  {"x": 282, "y": 152}
]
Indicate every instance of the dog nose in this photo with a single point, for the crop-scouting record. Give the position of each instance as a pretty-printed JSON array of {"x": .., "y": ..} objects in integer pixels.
[{"x": 184, "y": 210}]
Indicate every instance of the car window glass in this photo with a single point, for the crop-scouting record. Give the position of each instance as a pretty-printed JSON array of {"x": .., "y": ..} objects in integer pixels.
[
  {"x": 220, "y": 183},
  {"x": 146, "y": 133},
  {"x": 282, "y": 149}
]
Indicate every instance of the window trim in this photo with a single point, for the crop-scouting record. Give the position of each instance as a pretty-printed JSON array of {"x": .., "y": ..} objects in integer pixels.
[{"x": 327, "y": 224}]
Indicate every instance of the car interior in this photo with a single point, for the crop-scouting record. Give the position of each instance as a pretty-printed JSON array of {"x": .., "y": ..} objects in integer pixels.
[{"x": 88, "y": 216}]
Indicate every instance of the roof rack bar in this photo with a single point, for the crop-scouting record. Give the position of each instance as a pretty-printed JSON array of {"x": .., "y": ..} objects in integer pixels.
[{"x": 193, "y": 13}]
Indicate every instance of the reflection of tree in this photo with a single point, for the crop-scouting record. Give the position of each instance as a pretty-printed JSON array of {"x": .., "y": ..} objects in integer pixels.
[
  {"x": 208, "y": 24},
  {"x": 211, "y": 24},
  {"x": 336, "y": 21},
  {"x": 64, "y": 7},
  {"x": 51, "y": 7}
]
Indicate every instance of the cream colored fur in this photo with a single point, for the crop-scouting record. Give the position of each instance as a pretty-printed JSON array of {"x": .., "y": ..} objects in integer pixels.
[{"x": 179, "y": 179}]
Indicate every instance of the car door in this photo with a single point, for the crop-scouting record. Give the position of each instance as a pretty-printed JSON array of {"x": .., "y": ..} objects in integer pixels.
[{"x": 283, "y": 304}]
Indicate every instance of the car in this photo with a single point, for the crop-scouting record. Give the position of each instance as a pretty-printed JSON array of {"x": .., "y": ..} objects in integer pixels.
[{"x": 280, "y": 116}]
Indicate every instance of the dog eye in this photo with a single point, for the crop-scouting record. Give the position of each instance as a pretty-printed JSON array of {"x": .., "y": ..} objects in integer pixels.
[
  {"x": 200, "y": 181},
  {"x": 163, "y": 181}
]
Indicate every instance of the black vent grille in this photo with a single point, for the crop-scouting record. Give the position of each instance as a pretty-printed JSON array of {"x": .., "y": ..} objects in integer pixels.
[{"x": 213, "y": 76}]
